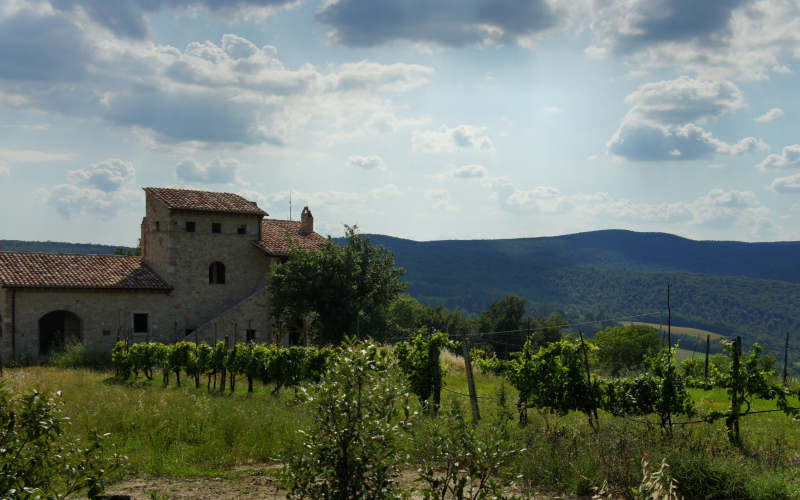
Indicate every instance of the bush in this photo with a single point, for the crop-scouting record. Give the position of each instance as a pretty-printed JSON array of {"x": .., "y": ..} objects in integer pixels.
[
  {"x": 77, "y": 355},
  {"x": 352, "y": 450},
  {"x": 462, "y": 460},
  {"x": 37, "y": 460},
  {"x": 701, "y": 477}
]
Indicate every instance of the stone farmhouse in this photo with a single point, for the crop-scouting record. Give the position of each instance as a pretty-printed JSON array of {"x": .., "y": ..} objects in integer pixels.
[{"x": 202, "y": 274}]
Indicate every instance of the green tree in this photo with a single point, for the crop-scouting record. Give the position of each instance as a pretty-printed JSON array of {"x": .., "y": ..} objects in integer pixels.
[
  {"x": 626, "y": 347},
  {"x": 341, "y": 290},
  {"x": 503, "y": 314}
]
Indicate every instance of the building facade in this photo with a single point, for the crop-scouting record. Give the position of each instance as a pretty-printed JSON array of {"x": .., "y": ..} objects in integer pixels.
[{"x": 202, "y": 275}]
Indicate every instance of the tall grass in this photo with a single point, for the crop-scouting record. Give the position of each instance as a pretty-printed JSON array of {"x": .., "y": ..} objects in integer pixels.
[
  {"x": 175, "y": 431},
  {"x": 78, "y": 355},
  {"x": 191, "y": 432}
]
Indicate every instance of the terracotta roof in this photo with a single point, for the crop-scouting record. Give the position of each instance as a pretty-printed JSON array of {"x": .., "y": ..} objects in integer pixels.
[
  {"x": 44, "y": 270},
  {"x": 278, "y": 237},
  {"x": 205, "y": 201}
]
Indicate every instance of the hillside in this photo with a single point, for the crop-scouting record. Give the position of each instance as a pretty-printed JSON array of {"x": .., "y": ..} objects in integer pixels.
[
  {"x": 57, "y": 247},
  {"x": 748, "y": 289}
]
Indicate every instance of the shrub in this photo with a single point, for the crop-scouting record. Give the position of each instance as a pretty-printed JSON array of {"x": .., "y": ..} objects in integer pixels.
[
  {"x": 37, "y": 460},
  {"x": 463, "y": 460},
  {"x": 77, "y": 355},
  {"x": 352, "y": 450}
]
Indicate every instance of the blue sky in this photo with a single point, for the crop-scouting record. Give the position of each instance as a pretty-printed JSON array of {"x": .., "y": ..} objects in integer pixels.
[{"x": 415, "y": 118}]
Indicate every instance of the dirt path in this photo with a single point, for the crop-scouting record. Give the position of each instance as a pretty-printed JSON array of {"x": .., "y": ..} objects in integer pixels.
[{"x": 198, "y": 488}]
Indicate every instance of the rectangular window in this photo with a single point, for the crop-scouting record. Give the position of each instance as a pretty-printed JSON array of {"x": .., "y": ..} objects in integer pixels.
[
  {"x": 251, "y": 335},
  {"x": 141, "y": 323},
  {"x": 242, "y": 229},
  {"x": 216, "y": 227},
  {"x": 189, "y": 226},
  {"x": 106, "y": 333},
  {"x": 158, "y": 226}
]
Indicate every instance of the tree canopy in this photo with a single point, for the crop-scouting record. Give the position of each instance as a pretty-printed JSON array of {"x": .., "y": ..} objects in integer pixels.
[
  {"x": 626, "y": 347},
  {"x": 338, "y": 291}
]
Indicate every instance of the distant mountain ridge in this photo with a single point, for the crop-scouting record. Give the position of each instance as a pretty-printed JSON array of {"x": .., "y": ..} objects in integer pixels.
[
  {"x": 58, "y": 247},
  {"x": 616, "y": 248},
  {"x": 734, "y": 288}
]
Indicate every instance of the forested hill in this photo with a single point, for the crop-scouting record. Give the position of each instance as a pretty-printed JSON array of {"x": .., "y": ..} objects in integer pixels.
[
  {"x": 57, "y": 247},
  {"x": 618, "y": 249},
  {"x": 752, "y": 289}
]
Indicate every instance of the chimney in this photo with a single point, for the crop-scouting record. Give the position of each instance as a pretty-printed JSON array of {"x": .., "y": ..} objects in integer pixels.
[{"x": 306, "y": 221}]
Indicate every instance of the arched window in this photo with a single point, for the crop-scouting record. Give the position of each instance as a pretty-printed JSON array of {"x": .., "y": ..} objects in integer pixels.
[{"x": 216, "y": 273}]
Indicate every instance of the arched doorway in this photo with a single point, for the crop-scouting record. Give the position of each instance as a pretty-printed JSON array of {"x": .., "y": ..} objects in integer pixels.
[{"x": 57, "y": 329}]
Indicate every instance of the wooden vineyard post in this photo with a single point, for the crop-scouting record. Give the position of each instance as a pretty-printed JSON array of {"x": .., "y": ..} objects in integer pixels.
[
  {"x": 708, "y": 347},
  {"x": 733, "y": 417},
  {"x": 473, "y": 396},
  {"x": 222, "y": 376},
  {"x": 589, "y": 384},
  {"x": 785, "y": 358},
  {"x": 436, "y": 371},
  {"x": 669, "y": 324}
]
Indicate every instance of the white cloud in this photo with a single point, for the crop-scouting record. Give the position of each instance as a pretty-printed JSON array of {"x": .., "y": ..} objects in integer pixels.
[
  {"x": 229, "y": 93},
  {"x": 107, "y": 176},
  {"x": 596, "y": 52},
  {"x": 718, "y": 166},
  {"x": 789, "y": 157},
  {"x": 552, "y": 110},
  {"x": 662, "y": 124},
  {"x": 451, "y": 140},
  {"x": 440, "y": 200},
  {"x": 216, "y": 171},
  {"x": 100, "y": 190},
  {"x": 370, "y": 162},
  {"x": 770, "y": 115},
  {"x": 474, "y": 171},
  {"x": 5, "y": 170},
  {"x": 788, "y": 184},
  {"x": 739, "y": 39},
  {"x": 717, "y": 207},
  {"x": 31, "y": 156}
]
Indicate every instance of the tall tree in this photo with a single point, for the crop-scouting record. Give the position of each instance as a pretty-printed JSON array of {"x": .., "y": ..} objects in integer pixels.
[
  {"x": 338, "y": 291},
  {"x": 503, "y": 314}
]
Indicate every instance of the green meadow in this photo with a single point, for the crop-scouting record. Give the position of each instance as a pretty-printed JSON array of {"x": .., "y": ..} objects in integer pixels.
[{"x": 187, "y": 432}]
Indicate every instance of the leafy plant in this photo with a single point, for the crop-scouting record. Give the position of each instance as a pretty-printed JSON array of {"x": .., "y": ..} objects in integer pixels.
[
  {"x": 419, "y": 360},
  {"x": 38, "y": 460},
  {"x": 463, "y": 460},
  {"x": 352, "y": 450}
]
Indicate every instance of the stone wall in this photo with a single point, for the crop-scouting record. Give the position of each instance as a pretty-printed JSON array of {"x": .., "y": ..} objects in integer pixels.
[
  {"x": 103, "y": 315},
  {"x": 251, "y": 313},
  {"x": 183, "y": 258}
]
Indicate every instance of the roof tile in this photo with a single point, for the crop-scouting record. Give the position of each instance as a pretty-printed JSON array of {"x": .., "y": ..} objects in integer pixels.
[
  {"x": 278, "y": 237},
  {"x": 42, "y": 270},
  {"x": 205, "y": 201}
]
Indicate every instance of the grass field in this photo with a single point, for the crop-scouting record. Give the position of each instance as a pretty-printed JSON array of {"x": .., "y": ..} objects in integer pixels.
[
  {"x": 678, "y": 330},
  {"x": 191, "y": 433}
]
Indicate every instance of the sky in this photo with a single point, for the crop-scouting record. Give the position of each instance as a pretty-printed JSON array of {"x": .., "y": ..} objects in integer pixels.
[{"x": 423, "y": 119}]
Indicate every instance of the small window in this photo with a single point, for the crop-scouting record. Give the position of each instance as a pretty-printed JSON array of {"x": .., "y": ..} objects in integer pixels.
[
  {"x": 216, "y": 273},
  {"x": 141, "y": 323},
  {"x": 106, "y": 333},
  {"x": 189, "y": 226},
  {"x": 241, "y": 229},
  {"x": 251, "y": 335},
  {"x": 158, "y": 226},
  {"x": 216, "y": 227}
]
